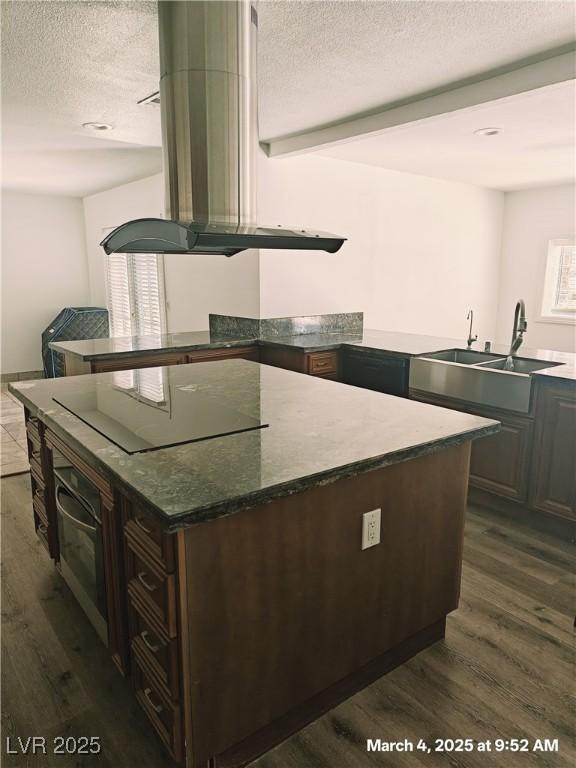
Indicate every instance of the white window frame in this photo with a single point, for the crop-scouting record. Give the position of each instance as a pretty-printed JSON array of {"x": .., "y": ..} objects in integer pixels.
[
  {"x": 148, "y": 384},
  {"x": 133, "y": 322},
  {"x": 549, "y": 281}
]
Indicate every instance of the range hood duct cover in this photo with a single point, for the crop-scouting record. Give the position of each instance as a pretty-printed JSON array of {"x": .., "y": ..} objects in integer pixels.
[{"x": 208, "y": 103}]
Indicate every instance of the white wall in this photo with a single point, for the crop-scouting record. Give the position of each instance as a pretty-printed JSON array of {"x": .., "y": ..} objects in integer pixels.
[
  {"x": 43, "y": 270},
  {"x": 532, "y": 218},
  {"x": 420, "y": 251},
  {"x": 195, "y": 285},
  {"x": 108, "y": 209}
]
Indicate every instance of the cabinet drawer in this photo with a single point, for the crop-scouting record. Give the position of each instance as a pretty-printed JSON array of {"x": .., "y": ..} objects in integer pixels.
[
  {"x": 137, "y": 361},
  {"x": 37, "y": 477},
  {"x": 156, "y": 651},
  {"x": 150, "y": 537},
  {"x": 36, "y": 465},
  {"x": 151, "y": 589},
  {"x": 321, "y": 363},
  {"x": 225, "y": 353},
  {"x": 33, "y": 433},
  {"x": 42, "y": 533},
  {"x": 39, "y": 504},
  {"x": 164, "y": 716}
]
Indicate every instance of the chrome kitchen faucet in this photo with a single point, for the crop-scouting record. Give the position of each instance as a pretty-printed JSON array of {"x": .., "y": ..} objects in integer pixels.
[
  {"x": 471, "y": 339},
  {"x": 518, "y": 331}
]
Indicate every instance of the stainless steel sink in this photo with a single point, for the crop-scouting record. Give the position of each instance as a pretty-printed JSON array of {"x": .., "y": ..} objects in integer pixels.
[
  {"x": 463, "y": 356},
  {"x": 476, "y": 377},
  {"x": 519, "y": 365}
]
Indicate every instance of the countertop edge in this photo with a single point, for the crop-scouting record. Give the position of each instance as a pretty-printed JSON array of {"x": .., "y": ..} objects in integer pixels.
[
  {"x": 247, "y": 501},
  {"x": 87, "y": 358}
]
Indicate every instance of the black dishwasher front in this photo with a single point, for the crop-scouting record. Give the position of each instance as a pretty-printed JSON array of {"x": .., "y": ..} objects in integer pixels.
[{"x": 380, "y": 372}]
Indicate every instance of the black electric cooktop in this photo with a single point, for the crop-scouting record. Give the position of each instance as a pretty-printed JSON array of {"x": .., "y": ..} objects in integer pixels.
[{"x": 141, "y": 411}]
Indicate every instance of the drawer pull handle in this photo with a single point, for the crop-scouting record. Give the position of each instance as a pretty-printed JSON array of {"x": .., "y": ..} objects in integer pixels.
[
  {"x": 43, "y": 530},
  {"x": 140, "y": 524},
  {"x": 156, "y": 707},
  {"x": 145, "y": 583},
  {"x": 151, "y": 647}
]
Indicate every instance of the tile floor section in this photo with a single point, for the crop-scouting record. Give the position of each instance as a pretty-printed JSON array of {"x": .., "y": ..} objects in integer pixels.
[{"x": 13, "y": 451}]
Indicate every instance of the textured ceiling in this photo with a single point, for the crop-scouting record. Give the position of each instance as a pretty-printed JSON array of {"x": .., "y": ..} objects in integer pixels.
[
  {"x": 65, "y": 63},
  {"x": 323, "y": 61},
  {"x": 536, "y": 146}
]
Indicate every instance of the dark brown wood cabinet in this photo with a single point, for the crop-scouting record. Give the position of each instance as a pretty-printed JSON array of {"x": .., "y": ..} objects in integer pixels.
[
  {"x": 553, "y": 476},
  {"x": 224, "y": 353},
  {"x": 325, "y": 364},
  {"x": 532, "y": 459},
  {"x": 131, "y": 362},
  {"x": 499, "y": 463},
  {"x": 200, "y": 616},
  {"x": 75, "y": 366},
  {"x": 154, "y": 623},
  {"x": 45, "y": 523}
]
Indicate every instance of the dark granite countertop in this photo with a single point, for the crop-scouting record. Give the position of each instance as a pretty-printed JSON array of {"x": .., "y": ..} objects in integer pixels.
[
  {"x": 406, "y": 344},
  {"x": 560, "y": 372},
  {"x": 369, "y": 340},
  {"x": 402, "y": 344},
  {"x": 124, "y": 346},
  {"x": 319, "y": 431}
]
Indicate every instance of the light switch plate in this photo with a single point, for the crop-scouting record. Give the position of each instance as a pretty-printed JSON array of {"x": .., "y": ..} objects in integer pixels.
[{"x": 371, "y": 528}]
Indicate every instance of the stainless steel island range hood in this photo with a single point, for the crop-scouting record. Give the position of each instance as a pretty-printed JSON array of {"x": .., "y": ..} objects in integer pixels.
[{"x": 208, "y": 102}]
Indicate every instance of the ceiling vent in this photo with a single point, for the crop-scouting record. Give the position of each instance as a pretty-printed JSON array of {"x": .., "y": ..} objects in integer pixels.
[{"x": 154, "y": 98}]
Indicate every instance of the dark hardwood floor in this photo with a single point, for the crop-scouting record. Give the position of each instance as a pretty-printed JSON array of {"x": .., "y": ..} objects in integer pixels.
[{"x": 505, "y": 669}]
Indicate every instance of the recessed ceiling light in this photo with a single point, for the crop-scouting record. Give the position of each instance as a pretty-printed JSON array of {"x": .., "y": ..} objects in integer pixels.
[
  {"x": 97, "y": 126},
  {"x": 487, "y": 132}
]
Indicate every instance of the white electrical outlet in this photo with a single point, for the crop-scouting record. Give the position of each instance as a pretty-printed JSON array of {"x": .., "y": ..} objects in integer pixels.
[{"x": 371, "y": 528}]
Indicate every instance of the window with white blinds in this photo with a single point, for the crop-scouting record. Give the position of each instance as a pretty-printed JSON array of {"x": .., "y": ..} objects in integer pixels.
[
  {"x": 118, "y": 288},
  {"x": 135, "y": 294},
  {"x": 145, "y": 384},
  {"x": 559, "y": 290}
]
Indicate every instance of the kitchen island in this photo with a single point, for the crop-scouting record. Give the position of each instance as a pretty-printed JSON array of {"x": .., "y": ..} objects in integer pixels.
[{"x": 239, "y": 597}]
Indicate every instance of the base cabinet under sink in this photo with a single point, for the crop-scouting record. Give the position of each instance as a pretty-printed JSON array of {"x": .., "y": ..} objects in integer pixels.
[
  {"x": 531, "y": 460},
  {"x": 499, "y": 463}
]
